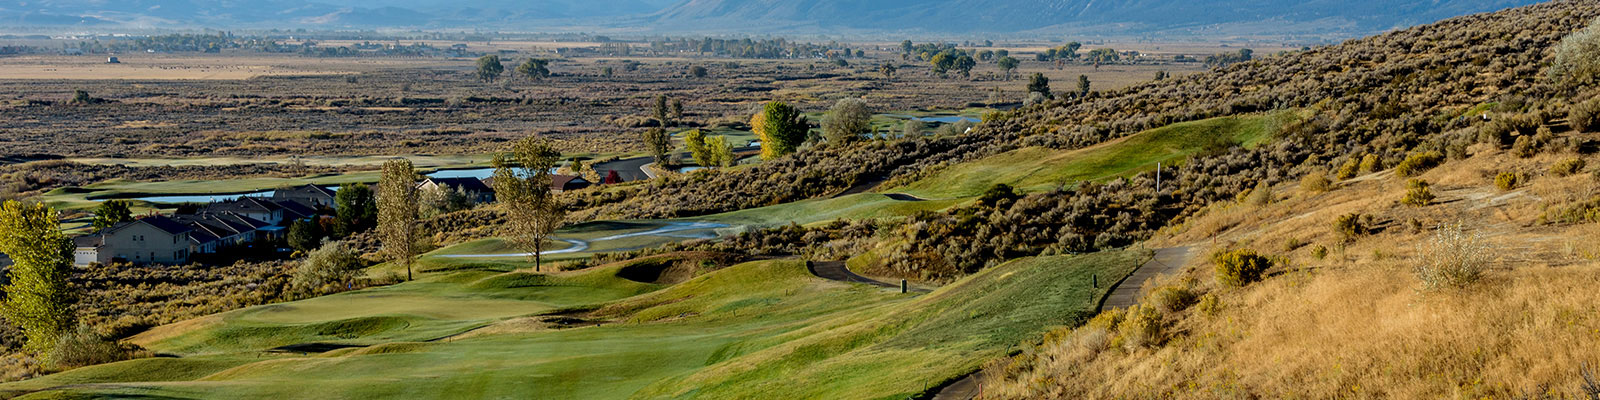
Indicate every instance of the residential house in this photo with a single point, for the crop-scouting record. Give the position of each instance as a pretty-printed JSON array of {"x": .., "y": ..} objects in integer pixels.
[
  {"x": 86, "y": 250},
  {"x": 261, "y": 209},
  {"x": 217, "y": 232},
  {"x": 312, "y": 196},
  {"x": 562, "y": 183},
  {"x": 477, "y": 191},
  {"x": 149, "y": 240}
]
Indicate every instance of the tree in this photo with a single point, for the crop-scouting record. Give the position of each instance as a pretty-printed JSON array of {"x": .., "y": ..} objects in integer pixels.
[
  {"x": 38, "y": 299},
  {"x": 677, "y": 110},
  {"x": 697, "y": 71},
  {"x": 1039, "y": 84},
  {"x": 1083, "y": 85},
  {"x": 534, "y": 69},
  {"x": 964, "y": 64},
  {"x": 522, "y": 187},
  {"x": 489, "y": 67},
  {"x": 913, "y": 128},
  {"x": 781, "y": 128},
  {"x": 110, "y": 213},
  {"x": 887, "y": 69},
  {"x": 658, "y": 143},
  {"x": 721, "y": 151},
  {"x": 846, "y": 121},
  {"x": 660, "y": 110},
  {"x": 326, "y": 269},
  {"x": 1007, "y": 65},
  {"x": 397, "y": 213},
  {"x": 695, "y": 140},
  {"x": 906, "y": 47},
  {"x": 356, "y": 209},
  {"x": 305, "y": 234}
]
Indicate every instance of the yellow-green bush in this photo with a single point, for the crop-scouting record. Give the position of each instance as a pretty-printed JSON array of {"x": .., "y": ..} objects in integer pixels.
[
  {"x": 1315, "y": 182},
  {"x": 1417, "y": 163},
  {"x": 1418, "y": 194},
  {"x": 1241, "y": 267},
  {"x": 1568, "y": 167},
  {"x": 1142, "y": 327},
  {"x": 1369, "y": 163},
  {"x": 1507, "y": 181}
]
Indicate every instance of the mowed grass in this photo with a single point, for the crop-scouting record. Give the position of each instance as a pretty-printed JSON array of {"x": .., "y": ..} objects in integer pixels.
[
  {"x": 855, "y": 206},
  {"x": 746, "y": 331},
  {"x": 1039, "y": 169}
]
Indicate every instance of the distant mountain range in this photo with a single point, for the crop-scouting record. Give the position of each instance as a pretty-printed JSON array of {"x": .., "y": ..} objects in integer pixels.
[{"x": 1106, "y": 17}]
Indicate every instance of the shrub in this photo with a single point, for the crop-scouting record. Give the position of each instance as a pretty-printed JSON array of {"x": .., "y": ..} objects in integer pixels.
[
  {"x": 1524, "y": 147},
  {"x": 1568, "y": 167},
  {"x": 1417, "y": 163},
  {"x": 1171, "y": 299},
  {"x": 1577, "y": 57},
  {"x": 1507, "y": 181},
  {"x": 1349, "y": 169},
  {"x": 1585, "y": 116},
  {"x": 1320, "y": 252},
  {"x": 1316, "y": 182},
  {"x": 1452, "y": 258},
  {"x": 1261, "y": 195},
  {"x": 1369, "y": 163},
  {"x": 85, "y": 347},
  {"x": 1292, "y": 243},
  {"x": 1142, "y": 327},
  {"x": 1417, "y": 194},
  {"x": 1238, "y": 268},
  {"x": 1581, "y": 212},
  {"x": 1209, "y": 305},
  {"x": 326, "y": 268},
  {"x": 1351, "y": 226}
]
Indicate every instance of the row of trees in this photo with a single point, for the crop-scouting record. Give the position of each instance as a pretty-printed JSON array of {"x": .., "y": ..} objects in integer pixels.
[{"x": 490, "y": 68}]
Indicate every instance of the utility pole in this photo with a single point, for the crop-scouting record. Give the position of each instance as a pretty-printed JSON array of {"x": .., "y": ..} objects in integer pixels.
[{"x": 1158, "y": 178}]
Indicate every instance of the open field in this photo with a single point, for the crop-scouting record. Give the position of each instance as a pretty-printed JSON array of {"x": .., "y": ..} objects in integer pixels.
[{"x": 721, "y": 332}]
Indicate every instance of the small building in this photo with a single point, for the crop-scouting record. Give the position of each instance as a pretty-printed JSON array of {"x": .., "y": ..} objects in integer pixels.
[
  {"x": 149, "y": 240},
  {"x": 112, "y": 60},
  {"x": 477, "y": 191}
]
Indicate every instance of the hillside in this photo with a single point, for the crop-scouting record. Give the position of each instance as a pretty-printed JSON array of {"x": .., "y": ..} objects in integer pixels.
[{"x": 1083, "y": 16}]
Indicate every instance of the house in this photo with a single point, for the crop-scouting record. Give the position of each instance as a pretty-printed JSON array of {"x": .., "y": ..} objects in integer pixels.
[
  {"x": 112, "y": 60},
  {"x": 477, "y": 191},
  {"x": 312, "y": 196},
  {"x": 558, "y": 183},
  {"x": 562, "y": 183},
  {"x": 149, "y": 240},
  {"x": 217, "y": 232},
  {"x": 261, "y": 209}
]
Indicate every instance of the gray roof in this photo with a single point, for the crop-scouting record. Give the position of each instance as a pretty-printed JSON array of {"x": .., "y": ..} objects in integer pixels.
[{"x": 163, "y": 223}]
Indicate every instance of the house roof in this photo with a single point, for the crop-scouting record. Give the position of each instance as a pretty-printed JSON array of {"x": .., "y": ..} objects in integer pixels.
[
  {"x": 220, "y": 225},
  {"x": 163, "y": 223},
  {"x": 561, "y": 181},
  {"x": 87, "y": 240},
  {"x": 304, "y": 191},
  {"x": 297, "y": 208},
  {"x": 468, "y": 184},
  {"x": 244, "y": 205}
]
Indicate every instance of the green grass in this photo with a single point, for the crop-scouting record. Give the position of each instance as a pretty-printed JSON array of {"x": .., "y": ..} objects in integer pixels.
[
  {"x": 1038, "y": 169},
  {"x": 855, "y": 206},
  {"x": 746, "y": 331}
]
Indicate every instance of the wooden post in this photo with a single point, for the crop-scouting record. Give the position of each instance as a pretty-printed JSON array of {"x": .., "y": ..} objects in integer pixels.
[
  {"x": 1094, "y": 280},
  {"x": 902, "y": 286}
]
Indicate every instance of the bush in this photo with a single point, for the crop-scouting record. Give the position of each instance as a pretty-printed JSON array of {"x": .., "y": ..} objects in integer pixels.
[
  {"x": 1452, "y": 258},
  {"x": 1524, "y": 147},
  {"x": 1171, "y": 299},
  {"x": 1209, "y": 305},
  {"x": 1369, "y": 163},
  {"x": 85, "y": 347},
  {"x": 1577, "y": 58},
  {"x": 1418, "y": 163},
  {"x": 1568, "y": 167},
  {"x": 1320, "y": 252},
  {"x": 1349, "y": 169},
  {"x": 1238, "y": 268},
  {"x": 327, "y": 268},
  {"x": 1262, "y": 195},
  {"x": 1585, "y": 116},
  {"x": 1507, "y": 181},
  {"x": 1417, "y": 194},
  {"x": 1316, "y": 182},
  {"x": 1142, "y": 327},
  {"x": 1351, "y": 226}
]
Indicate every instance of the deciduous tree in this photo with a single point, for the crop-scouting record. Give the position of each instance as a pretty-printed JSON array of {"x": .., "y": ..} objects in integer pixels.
[
  {"x": 781, "y": 128},
  {"x": 846, "y": 121},
  {"x": 38, "y": 298},
  {"x": 110, "y": 213},
  {"x": 658, "y": 143},
  {"x": 522, "y": 187},
  {"x": 397, "y": 213},
  {"x": 534, "y": 69},
  {"x": 489, "y": 68}
]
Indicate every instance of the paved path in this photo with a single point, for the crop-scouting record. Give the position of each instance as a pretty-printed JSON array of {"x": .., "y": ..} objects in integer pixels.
[
  {"x": 838, "y": 271},
  {"x": 1166, "y": 261},
  {"x": 672, "y": 230},
  {"x": 1126, "y": 294}
]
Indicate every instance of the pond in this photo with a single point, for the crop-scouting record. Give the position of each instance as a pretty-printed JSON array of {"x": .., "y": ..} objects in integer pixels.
[{"x": 943, "y": 119}]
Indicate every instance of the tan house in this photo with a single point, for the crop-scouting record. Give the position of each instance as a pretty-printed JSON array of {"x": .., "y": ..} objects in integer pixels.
[{"x": 149, "y": 240}]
